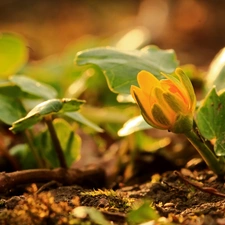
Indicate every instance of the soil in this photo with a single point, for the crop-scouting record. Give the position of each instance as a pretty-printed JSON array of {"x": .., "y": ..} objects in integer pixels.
[{"x": 183, "y": 197}]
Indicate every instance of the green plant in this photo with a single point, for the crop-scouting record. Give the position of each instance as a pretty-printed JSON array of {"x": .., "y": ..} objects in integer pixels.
[
  {"x": 205, "y": 132},
  {"x": 176, "y": 111},
  {"x": 26, "y": 102},
  {"x": 44, "y": 110}
]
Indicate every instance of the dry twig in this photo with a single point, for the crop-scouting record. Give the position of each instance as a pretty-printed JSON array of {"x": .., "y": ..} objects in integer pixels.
[{"x": 90, "y": 177}]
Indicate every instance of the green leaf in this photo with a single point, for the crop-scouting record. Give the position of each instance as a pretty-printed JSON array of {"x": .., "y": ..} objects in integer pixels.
[
  {"x": 210, "y": 120},
  {"x": 219, "y": 146},
  {"x": 216, "y": 73},
  {"x": 142, "y": 214},
  {"x": 10, "y": 90},
  {"x": 44, "y": 109},
  {"x": 10, "y": 110},
  {"x": 133, "y": 125},
  {"x": 13, "y": 53},
  {"x": 121, "y": 67},
  {"x": 58, "y": 70},
  {"x": 81, "y": 119},
  {"x": 208, "y": 114},
  {"x": 69, "y": 141},
  {"x": 71, "y": 104},
  {"x": 33, "y": 87},
  {"x": 24, "y": 156},
  {"x": 95, "y": 216}
]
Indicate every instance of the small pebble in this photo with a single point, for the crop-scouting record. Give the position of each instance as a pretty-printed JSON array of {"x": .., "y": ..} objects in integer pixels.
[{"x": 169, "y": 204}]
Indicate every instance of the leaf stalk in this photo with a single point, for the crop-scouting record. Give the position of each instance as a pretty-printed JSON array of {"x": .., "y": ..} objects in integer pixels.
[
  {"x": 34, "y": 150},
  {"x": 214, "y": 162},
  {"x": 55, "y": 142}
]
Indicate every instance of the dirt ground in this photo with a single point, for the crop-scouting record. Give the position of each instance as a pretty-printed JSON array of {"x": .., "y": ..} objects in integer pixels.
[
  {"x": 189, "y": 195},
  {"x": 184, "y": 197}
]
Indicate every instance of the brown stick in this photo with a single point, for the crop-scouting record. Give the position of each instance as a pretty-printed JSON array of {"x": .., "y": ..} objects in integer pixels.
[
  {"x": 89, "y": 177},
  {"x": 209, "y": 190}
]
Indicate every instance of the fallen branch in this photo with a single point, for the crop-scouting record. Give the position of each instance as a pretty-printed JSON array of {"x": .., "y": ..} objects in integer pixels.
[{"x": 89, "y": 177}]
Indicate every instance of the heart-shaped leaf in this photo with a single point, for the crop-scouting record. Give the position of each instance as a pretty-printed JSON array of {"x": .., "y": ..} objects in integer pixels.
[
  {"x": 121, "y": 67},
  {"x": 211, "y": 118}
]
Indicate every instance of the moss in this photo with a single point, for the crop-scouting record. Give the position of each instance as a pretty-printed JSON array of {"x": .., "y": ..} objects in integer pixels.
[{"x": 109, "y": 200}]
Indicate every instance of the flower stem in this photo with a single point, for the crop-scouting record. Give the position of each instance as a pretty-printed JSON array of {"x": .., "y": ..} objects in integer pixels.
[
  {"x": 215, "y": 163},
  {"x": 55, "y": 142}
]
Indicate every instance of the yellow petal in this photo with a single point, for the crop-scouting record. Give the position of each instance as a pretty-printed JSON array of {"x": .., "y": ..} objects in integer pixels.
[
  {"x": 184, "y": 79},
  {"x": 141, "y": 98},
  {"x": 143, "y": 102},
  {"x": 147, "y": 81},
  {"x": 175, "y": 103},
  {"x": 175, "y": 89},
  {"x": 160, "y": 118},
  {"x": 159, "y": 95},
  {"x": 134, "y": 89},
  {"x": 151, "y": 122}
]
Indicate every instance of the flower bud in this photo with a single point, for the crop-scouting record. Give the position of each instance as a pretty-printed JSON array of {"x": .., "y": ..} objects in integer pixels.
[{"x": 167, "y": 104}]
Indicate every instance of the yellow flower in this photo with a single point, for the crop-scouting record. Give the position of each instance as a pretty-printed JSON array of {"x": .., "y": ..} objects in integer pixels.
[{"x": 167, "y": 104}]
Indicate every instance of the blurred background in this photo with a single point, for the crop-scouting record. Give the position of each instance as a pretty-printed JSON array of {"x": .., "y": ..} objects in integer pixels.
[
  {"x": 194, "y": 28},
  {"x": 56, "y": 30}
]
